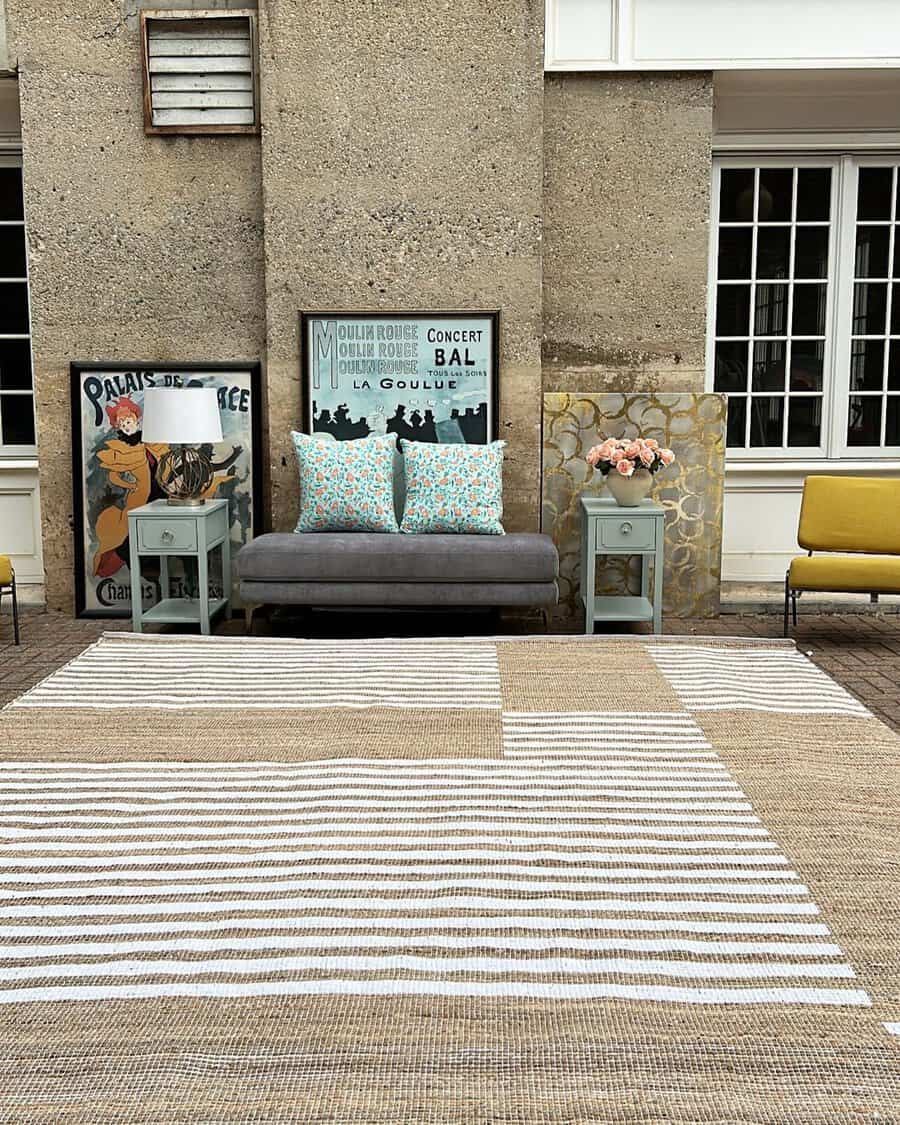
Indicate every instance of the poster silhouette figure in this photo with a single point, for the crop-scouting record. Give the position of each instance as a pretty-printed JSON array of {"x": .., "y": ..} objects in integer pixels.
[{"x": 469, "y": 426}]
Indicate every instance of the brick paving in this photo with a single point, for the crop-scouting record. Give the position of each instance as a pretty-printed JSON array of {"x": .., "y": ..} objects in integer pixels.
[{"x": 861, "y": 651}]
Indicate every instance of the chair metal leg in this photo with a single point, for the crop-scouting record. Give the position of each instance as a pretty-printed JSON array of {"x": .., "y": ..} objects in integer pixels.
[
  {"x": 794, "y": 604},
  {"x": 15, "y": 607},
  {"x": 787, "y": 596}
]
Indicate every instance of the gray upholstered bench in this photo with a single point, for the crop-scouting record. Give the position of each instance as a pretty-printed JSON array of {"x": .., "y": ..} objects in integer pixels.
[{"x": 363, "y": 569}]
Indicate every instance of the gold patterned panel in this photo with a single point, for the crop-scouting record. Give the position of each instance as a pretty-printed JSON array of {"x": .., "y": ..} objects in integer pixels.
[{"x": 693, "y": 425}]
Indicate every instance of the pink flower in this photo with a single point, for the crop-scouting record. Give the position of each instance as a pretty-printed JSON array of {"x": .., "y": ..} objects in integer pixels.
[
  {"x": 625, "y": 467},
  {"x": 647, "y": 456},
  {"x": 600, "y": 452},
  {"x": 666, "y": 456},
  {"x": 651, "y": 443},
  {"x": 632, "y": 449},
  {"x": 617, "y": 456}
]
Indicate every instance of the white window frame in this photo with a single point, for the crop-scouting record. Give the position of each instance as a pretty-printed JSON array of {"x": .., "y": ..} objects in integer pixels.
[
  {"x": 611, "y": 35},
  {"x": 839, "y": 304},
  {"x": 13, "y": 159}
]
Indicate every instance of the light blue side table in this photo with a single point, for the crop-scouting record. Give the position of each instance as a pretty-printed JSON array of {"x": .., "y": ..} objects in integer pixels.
[
  {"x": 609, "y": 529},
  {"x": 169, "y": 530}
]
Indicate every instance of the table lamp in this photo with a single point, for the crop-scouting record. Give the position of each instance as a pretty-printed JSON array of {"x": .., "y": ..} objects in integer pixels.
[{"x": 182, "y": 418}]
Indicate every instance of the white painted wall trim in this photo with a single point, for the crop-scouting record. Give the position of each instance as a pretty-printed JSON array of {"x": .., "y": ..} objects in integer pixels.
[
  {"x": 721, "y": 34},
  {"x": 756, "y": 476},
  {"x": 759, "y": 144},
  {"x": 20, "y": 519},
  {"x": 762, "y": 510}
]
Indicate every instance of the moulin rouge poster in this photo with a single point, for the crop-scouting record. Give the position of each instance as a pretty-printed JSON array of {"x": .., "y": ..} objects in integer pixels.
[
  {"x": 113, "y": 472},
  {"x": 421, "y": 376}
]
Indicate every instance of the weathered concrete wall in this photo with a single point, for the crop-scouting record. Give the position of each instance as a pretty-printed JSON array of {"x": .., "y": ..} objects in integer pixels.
[
  {"x": 626, "y": 216},
  {"x": 141, "y": 248},
  {"x": 402, "y": 170}
]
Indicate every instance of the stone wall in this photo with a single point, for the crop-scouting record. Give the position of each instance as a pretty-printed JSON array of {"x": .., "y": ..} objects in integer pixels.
[
  {"x": 626, "y": 212},
  {"x": 402, "y": 170},
  {"x": 141, "y": 248}
]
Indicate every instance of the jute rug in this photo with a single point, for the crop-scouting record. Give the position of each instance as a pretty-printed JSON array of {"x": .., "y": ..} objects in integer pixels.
[{"x": 523, "y": 880}]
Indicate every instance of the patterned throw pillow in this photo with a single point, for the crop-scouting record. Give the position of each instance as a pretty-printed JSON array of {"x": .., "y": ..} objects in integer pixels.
[
  {"x": 453, "y": 488},
  {"x": 346, "y": 485}
]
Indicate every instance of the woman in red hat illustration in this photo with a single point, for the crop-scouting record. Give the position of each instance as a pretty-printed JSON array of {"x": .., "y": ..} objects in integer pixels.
[{"x": 131, "y": 465}]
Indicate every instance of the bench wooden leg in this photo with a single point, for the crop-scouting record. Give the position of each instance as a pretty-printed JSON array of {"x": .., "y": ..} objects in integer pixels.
[
  {"x": 545, "y": 615},
  {"x": 249, "y": 609}
]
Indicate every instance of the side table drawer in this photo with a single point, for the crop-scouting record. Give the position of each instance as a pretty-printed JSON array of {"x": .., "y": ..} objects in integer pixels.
[
  {"x": 167, "y": 535},
  {"x": 636, "y": 532}
]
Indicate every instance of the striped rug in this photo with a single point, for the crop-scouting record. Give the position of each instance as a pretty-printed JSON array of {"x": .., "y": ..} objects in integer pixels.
[{"x": 447, "y": 881}]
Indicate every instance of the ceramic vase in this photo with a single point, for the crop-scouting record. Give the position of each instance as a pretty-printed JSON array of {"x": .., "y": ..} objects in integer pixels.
[{"x": 629, "y": 491}]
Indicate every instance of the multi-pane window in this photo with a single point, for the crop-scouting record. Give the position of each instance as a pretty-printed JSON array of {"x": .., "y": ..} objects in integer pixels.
[
  {"x": 16, "y": 394},
  {"x": 771, "y": 303},
  {"x": 805, "y": 306},
  {"x": 873, "y": 417}
]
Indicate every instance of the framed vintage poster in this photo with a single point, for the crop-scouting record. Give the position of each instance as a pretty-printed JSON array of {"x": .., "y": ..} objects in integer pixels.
[
  {"x": 426, "y": 376},
  {"x": 113, "y": 471}
]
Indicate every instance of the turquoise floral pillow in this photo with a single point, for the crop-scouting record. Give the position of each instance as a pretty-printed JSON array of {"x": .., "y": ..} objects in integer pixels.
[
  {"x": 453, "y": 488},
  {"x": 346, "y": 485}
]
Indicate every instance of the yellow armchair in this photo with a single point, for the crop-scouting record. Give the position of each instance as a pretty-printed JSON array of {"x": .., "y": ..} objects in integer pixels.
[
  {"x": 855, "y": 523},
  {"x": 8, "y": 585}
]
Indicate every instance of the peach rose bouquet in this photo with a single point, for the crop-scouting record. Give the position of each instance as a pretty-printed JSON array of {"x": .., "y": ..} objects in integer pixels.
[{"x": 625, "y": 455}]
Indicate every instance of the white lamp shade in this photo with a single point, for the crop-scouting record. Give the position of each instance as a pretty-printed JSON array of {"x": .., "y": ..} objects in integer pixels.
[{"x": 181, "y": 415}]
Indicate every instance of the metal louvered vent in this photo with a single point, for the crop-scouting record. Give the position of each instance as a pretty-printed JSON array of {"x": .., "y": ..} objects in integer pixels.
[{"x": 200, "y": 72}]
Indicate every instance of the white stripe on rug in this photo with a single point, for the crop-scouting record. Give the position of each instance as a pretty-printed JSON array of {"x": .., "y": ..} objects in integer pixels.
[
  {"x": 495, "y": 923},
  {"x": 440, "y": 987},
  {"x": 410, "y": 963},
  {"x": 540, "y": 942}
]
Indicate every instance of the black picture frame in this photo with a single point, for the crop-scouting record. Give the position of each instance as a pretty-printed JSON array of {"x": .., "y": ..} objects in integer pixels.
[
  {"x": 491, "y": 391},
  {"x": 139, "y": 370}
]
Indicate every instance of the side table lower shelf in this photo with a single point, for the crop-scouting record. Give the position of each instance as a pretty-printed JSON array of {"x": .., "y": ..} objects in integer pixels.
[
  {"x": 622, "y": 608},
  {"x": 180, "y": 611}
]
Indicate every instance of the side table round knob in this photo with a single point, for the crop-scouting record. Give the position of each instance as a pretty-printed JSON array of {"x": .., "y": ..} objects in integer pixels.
[
  {"x": 626, "y": 528},
  {"x": 167, "y": 536}
]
